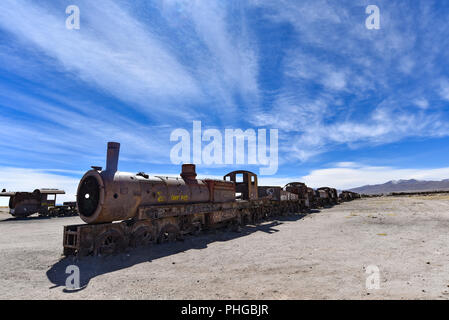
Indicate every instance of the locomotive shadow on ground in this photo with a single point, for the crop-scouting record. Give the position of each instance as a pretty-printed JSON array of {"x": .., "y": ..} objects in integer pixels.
[{"x": 91, "y": 267}]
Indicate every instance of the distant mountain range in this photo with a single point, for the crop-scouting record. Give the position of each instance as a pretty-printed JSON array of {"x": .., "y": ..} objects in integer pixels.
[{"x": 411, "y": 185}]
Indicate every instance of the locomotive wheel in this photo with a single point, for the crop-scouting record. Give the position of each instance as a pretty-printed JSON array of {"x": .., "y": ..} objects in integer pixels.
[
  {"x": 169, "y": 233},
  {"x": 142, "y": 236},
  {"x": 109, "y": 242}
]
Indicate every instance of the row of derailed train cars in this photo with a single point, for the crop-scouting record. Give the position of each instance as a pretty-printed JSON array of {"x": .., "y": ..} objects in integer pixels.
[{"x": 123, "y": 209}]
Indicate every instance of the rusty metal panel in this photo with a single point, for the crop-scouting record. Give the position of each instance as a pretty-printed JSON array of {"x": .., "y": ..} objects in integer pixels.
[
  {"x": 270, "y": 192},
  {"x": 220, "y": 216},
  {"x": 323, "y": 194},
  {"x": 288, "y": 196},
  {"x": 221, "y": 191}
]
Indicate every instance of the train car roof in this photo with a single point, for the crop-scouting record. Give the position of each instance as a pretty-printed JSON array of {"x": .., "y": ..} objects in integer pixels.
[
  {"x": 295, "y": 183},
  {"x": 7, "y": 194},
  {"x": 50, "y": 191},
  {"x": 42, "y": 191},
  {"x": 240, "y": 171}
]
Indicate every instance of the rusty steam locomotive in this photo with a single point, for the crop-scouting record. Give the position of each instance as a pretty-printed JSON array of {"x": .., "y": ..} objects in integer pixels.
[{"x": 125, "y": 209}]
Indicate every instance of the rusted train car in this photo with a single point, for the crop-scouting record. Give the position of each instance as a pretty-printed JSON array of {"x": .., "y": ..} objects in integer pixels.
[
  {"x": 301, "y": 190},
  {"x": 334, "y": 196},
  {"x": 324, "y": 196},
  {"x": 41, "y": 201},
  {"x": 348, "y": 196},
  {"x": 123, "y": 209}
]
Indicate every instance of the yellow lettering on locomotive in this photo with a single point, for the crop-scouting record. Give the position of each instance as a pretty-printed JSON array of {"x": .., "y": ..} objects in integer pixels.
[
  {"x": 175, "y": 197},
  {"x": 185, "y": 198},
  {"x": 160, "y": 197}
]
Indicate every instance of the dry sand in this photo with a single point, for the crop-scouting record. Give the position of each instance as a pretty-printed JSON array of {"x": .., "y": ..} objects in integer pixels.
[{"x": 320, "y": 256}]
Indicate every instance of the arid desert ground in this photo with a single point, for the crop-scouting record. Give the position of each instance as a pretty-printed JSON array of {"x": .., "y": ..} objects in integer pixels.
[{"x": 319, "y": 256}]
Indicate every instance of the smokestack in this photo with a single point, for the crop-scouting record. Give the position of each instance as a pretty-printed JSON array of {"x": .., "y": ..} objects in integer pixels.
[
  {"x": 188, "y": 172},
  {"x": 112, "y": 156}
]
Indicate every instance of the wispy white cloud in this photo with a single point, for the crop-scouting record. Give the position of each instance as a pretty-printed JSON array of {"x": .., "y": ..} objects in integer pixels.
[
  {"x": 223, "y": 49},
  {"x": 351, "y": 175},
  {"x": 421, "y": 103},
  {"x": 22, "y": 179},
  {"x": 71, "y": 129},
  {"x": 309, "y": 68},
  {"x": 155, "y": 65},
  {"x": 356, "y": 175},
  {"x": 347, "y": 85},
  {"x": 139, "y": 63},
  {"x": 314, "y": 134},
  {"x": 114, "y": 53},
  {"x": 444, "y": 89}
]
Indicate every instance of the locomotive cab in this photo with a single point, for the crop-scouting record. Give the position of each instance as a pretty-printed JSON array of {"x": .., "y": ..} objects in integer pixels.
[{"x": 245, "y": 184}]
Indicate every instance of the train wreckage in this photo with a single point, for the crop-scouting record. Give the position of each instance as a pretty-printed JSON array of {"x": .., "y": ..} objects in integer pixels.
[
  {"x": 41, "y": 201},
  {"x": 123, "y": 209}
]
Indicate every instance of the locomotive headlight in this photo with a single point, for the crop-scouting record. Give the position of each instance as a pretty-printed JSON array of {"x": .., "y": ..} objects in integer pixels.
[{"x": 90, "y": 196}]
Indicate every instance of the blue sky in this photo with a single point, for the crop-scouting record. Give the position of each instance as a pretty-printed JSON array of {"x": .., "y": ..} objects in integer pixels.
[{"x": 353, "y": 106}]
